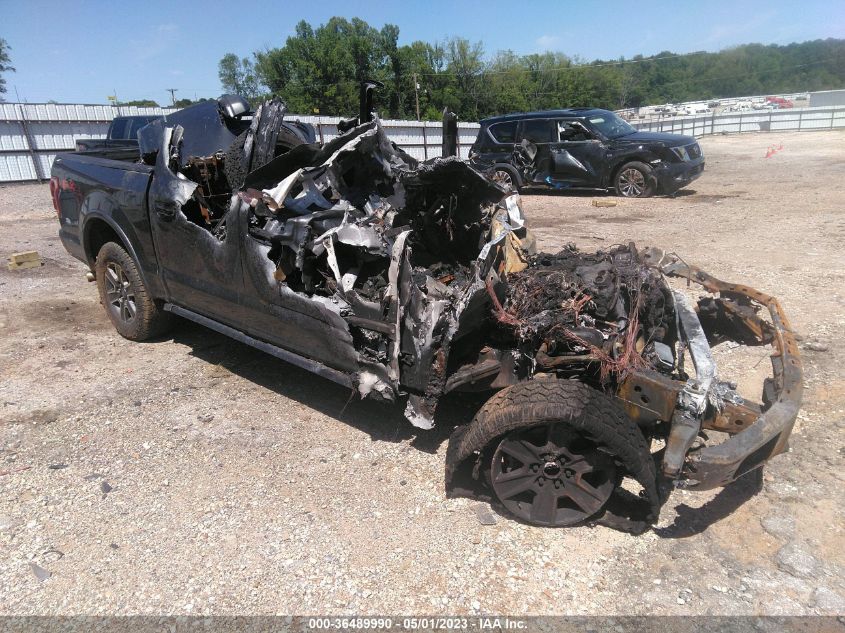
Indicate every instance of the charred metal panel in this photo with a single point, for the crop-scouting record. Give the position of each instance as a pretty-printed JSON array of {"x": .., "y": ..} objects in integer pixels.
[{"x": 210, "y": 132}]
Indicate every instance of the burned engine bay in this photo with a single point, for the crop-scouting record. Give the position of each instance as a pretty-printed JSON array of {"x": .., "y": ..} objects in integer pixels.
[{"x": 425, "y": 280}]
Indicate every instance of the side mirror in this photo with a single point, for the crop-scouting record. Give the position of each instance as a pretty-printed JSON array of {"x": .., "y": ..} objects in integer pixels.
[{"x": 233, "y": 106}]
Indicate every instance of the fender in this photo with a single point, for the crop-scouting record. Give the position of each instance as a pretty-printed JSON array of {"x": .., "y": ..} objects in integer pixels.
[
  {"x": 621, "y": 159},
  {"x": 98, "y": 205}
]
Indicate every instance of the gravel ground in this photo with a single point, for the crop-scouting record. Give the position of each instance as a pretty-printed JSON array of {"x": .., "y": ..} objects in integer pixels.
[{"x": 194, "y": 475}]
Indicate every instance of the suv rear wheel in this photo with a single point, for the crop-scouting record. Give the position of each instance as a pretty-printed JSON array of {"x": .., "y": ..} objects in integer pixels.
[
  {"x": 134, "y": 314},
  {"x": 506, "y": 177},
  {"x": 635, "y": 180}
]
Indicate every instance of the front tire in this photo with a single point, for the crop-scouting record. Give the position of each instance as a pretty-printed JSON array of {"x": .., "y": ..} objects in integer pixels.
[
  {"x": 129, "y": 306},
  {"x": 556, "y": 450},
  {"x": 635, "y": 180}
]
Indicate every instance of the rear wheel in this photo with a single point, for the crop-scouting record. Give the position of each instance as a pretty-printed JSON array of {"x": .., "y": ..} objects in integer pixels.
[
  {"x": 506, "y": 177},
  {"x": 635, "y": 180},
  {"x": 134, "y": 314}
]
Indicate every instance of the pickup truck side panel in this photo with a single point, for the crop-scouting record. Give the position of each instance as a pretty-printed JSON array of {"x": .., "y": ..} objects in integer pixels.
[
  {"x": 96, "y": 192},
  {"x": 284, "y": 318},
  {"x": 199, "y": 270}
]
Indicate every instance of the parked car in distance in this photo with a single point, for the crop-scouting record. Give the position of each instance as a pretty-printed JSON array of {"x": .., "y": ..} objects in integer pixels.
[
  {"x": 692, "y": 109},
  {"x": 123, "y": 132},
  {"x": 584, "y": 148},
  {"x": 779, "y": 102},
  {"x": 742, "y": 106}
]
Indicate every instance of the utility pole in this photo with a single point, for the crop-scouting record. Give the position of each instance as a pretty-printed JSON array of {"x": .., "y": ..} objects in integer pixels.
[
  {"x": 172, "y": 92},
  {"x": 417, "y": 95}
]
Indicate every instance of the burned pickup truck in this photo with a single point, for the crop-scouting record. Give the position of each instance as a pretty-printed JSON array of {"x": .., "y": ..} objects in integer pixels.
[{"x": 407, "y": 281}]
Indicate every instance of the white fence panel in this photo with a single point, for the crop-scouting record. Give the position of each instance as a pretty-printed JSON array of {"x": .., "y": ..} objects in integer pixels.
[
  {"x": 12, "y": 136},
  {"x": 15, "y": 167},
  {"x": 32, "y": 134}
]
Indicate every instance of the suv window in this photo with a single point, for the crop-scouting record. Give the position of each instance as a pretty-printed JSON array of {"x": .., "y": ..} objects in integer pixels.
[
  {"x": 572, "y": 131},
  {"x": 537, "y": 130},
  {"x": 120, "y": 129},
  {"x": 504, "y": 132}
]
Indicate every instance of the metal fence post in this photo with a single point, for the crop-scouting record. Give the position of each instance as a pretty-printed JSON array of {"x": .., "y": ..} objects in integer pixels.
[
  {"x": 425, "y": 142},
  {"x": 831, "y": 119},
  {"x": 36, "y": 164}
]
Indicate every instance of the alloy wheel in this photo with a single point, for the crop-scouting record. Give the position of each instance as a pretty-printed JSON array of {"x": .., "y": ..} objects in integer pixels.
[
  {"x": 550, "y": 475},
  {"x": 503, "y": 178},
  {"x": 119, "y": 293},
  {"x": 631, "y": 183}
]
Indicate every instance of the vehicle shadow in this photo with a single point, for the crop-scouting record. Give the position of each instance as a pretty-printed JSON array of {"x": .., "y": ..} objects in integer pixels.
[
  {"x": 691, "y": 521},
  {"x": 595, "y": 193},
  {"x": 384, "y": 422},
  {"x": 572, "y": 193},
  {"x": 681, "y": 193}
]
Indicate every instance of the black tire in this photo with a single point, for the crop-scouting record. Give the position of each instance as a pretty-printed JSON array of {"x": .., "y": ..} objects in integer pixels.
[
  {"x": 594, "y": 418},
  {"x": 635, "y": 180},
  {"x": 134, "y": 314},
  {"x": 507, "y": 177}
]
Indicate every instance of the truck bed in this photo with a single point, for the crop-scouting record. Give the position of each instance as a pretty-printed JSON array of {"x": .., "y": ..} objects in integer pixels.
[{"x": 127, "y": 154}]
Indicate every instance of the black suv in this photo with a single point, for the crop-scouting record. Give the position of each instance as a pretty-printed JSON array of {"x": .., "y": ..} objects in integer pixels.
[{"x": 584, "y": 148}]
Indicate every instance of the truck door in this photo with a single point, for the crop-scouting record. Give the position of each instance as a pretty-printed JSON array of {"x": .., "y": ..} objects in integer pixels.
[
  {"x": 577, "y": 155},
  {"x": 280, "y": 313},
  {"x": 201, "y": 271}
]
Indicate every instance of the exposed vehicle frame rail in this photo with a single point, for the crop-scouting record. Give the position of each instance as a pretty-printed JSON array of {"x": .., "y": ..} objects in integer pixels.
[{"x": 768, "y": 434}]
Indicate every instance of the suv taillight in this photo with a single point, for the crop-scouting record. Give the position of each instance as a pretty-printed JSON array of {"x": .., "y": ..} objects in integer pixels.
[{"x": 54, "y": 194}]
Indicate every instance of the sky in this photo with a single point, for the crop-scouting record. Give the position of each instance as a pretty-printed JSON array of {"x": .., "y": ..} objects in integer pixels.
[{"x": 82, "y": 52}]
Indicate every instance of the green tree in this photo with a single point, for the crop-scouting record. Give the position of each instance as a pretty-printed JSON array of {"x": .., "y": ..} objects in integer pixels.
[
  {"x": 141, "y": 103},
  {"x": 5, "y": 65},
  {"x": 184, "y": 103},
  {"x": 318, "y": 69},
  {"x": 465, "y": 63},
  {"x": 237, "y": 76}
]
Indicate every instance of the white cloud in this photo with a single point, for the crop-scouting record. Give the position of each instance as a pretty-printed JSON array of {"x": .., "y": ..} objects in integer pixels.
[
  {"x": 547, "y": 42},
  {"x": 158, "y": 40},
  {"x": 739, "y": 31}
]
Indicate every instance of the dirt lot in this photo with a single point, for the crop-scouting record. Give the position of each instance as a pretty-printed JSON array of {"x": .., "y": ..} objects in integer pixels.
[{"x": 239, "y": 484}]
